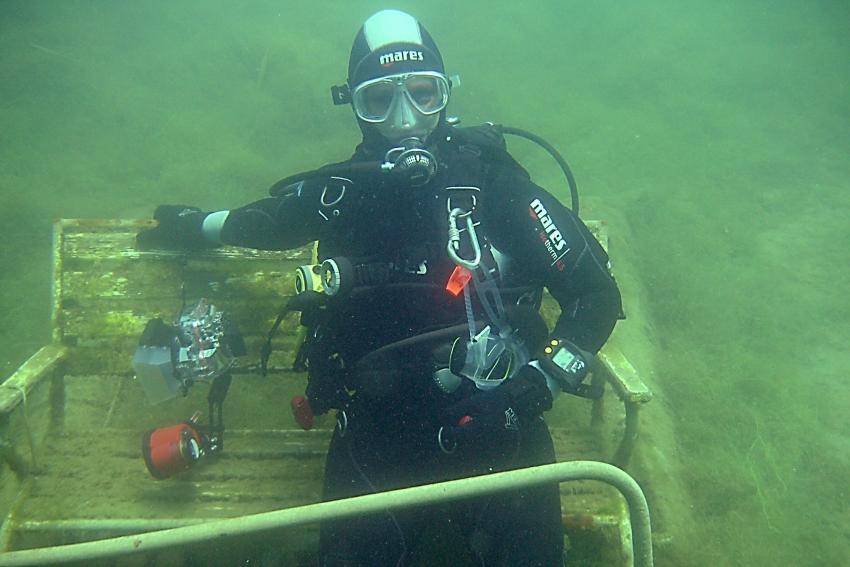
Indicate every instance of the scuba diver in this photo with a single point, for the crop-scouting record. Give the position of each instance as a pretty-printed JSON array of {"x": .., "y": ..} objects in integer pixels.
[{"x": 423, "y": 326}]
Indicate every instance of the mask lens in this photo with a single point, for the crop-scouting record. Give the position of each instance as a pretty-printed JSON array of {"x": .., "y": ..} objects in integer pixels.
[
  {"x": 373, "y": 102},
  {"x": 427, "y": 93}
]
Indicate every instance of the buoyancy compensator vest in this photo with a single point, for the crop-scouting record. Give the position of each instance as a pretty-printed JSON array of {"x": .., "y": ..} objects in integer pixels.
[{"x": 455, "y": 275}]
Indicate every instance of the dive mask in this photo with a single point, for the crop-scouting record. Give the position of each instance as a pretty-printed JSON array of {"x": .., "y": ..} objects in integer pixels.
[{"x": 376, "y": 100}]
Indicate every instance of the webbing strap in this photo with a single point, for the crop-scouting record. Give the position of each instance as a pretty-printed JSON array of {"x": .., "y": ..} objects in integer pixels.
[
  {"x": 470, "y": 317},
  {"x": 490, "y": 297}
]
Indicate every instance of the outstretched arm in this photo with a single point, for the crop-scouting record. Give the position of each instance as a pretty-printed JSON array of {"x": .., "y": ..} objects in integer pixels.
[
  {"x": 274, "y": 223},
  {"x": 268, "y": 224}
]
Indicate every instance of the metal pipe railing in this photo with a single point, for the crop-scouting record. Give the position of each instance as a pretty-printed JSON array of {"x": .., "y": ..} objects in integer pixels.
[{"x": 357, "y": 506}]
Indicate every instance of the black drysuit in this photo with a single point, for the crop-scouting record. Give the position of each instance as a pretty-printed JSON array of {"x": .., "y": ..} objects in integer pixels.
[{"x": 387, "y": 436}]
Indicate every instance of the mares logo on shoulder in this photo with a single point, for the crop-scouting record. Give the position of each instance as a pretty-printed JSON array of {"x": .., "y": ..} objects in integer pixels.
[
  {"x": 549, "y": 234},
  {"x": 388, "y": 59}
]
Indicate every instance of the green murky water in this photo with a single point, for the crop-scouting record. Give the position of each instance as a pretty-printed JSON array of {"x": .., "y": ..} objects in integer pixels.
[{"x": 715, "y": 134}]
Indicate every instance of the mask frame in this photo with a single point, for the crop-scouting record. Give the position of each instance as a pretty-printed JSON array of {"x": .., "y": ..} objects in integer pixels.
[{"x": 398, "y": 89}]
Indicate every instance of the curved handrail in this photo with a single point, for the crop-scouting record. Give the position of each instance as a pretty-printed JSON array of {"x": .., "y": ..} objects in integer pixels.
[{"x": 418, "y": 495}]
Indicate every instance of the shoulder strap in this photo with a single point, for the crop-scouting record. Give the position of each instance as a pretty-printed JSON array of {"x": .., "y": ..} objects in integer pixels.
[{"x": 486, "y": 137}]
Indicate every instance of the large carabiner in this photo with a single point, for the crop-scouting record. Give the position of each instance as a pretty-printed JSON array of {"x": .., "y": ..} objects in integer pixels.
[{"x": 453, "y": 246}]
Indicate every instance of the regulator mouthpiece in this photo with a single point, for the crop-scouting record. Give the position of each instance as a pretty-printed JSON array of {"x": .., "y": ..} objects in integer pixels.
[{"x": 411, "y": 162}]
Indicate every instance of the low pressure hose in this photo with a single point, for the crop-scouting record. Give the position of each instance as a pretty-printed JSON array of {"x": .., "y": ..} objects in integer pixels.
[{"x": 554, "y": 153}]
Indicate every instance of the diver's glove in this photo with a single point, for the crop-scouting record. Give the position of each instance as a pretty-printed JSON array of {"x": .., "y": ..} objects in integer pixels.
[
  {"x": 180, "y": 228},
  {"x": 490, "y": 420}
]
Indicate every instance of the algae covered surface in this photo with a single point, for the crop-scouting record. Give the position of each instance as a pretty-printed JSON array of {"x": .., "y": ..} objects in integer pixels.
[{"x": 713, "y": 136}]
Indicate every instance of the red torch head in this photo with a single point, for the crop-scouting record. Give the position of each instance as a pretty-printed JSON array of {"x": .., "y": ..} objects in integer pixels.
[{"x": 170, "y": 450}]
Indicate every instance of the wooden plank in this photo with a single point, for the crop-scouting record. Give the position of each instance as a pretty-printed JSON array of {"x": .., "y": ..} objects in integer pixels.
[
  {"x": 28, "y": 375},
  {"x": 101, "y": 475},
  {"x": 101, "y": 239},
  {"x": 623, "y": 376},
  {"x": 102, "y": 285},
  {"x": 96, "y": 402},
  {"x": 113, "y": 355},
  {"x": 141, "y": 277},
  {"x": 126, "y": 319}
]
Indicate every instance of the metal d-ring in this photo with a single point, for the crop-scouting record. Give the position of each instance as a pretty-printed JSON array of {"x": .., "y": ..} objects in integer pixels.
[
  {"x": 341, "y": 192},
  {"x": 443, "y": 444}
]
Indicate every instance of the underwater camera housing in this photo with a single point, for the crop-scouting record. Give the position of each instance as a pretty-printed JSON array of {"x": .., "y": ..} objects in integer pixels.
[{"x": 200, "y": 346}]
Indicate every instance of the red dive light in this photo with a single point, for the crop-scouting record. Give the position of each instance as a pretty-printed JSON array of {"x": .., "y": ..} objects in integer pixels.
[
  {"x": 170, "y": 450},
  {"x": 302, "y": 412}
]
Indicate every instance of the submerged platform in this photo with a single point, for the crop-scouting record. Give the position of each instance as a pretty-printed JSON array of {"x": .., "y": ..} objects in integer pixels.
[{"x": 71, "y": 419}]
